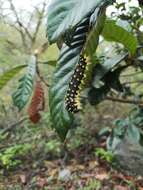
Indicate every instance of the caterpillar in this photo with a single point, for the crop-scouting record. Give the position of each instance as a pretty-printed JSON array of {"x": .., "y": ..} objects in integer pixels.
[
  {"x": 77, "y": 40},
  {"x": 72, "y": 100}
]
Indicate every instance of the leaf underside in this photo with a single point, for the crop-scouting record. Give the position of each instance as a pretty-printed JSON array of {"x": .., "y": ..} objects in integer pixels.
[
  {"x": 120, "y": 35},
  {"x": 64, "y": 15},
  {"x": 93, "y": 37},
  {"x": 22, "y": 94},
  {"x": 68, "y": 59},
  {"x": 66, "y": 20},
  {"x": 8, "y": 75}
]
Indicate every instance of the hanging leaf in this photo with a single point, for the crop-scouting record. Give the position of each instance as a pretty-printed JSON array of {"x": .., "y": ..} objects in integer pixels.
[
  {"x": 96, "y": 23},
  {"x": 22, "y": 94},
  {"x": 114, "y": 32},
  {"x": 112, "y": 79},
  {"x": 133, "y": 133},
  {"x": 102, "y": 69},
  {"x": 68, "y": 59},
  {"x": 102, "y": 72},
  {"x": 96, "y": 95},
  {"x": 62, "y": 15},
  {"x": 10, "y": 74},
  {"x": 93, "y": 38},
  {"x": 37, "y": 103},
  {"x": 61, "y": 119},
  {"x": 112, "y": 142},
  {"x": 50, "y": 62}
]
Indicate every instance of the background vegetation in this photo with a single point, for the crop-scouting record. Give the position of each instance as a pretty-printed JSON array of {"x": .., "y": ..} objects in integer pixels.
[{"x": 32, "y": 155}]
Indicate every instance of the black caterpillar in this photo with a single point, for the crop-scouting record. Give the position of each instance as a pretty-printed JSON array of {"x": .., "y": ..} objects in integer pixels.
[
  {"x": 72, "y": 101},
  {"x": 78, "y": 39}
]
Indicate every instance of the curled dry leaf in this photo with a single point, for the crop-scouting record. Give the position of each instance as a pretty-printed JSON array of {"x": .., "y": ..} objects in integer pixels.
[
  {"x": 23, "y": 178},
  {"x": 41, "y": 182},
  {"x": 102, "y": 176},
  {"x": 120, "y": 187},
  {"x": 37, "y": 103}
]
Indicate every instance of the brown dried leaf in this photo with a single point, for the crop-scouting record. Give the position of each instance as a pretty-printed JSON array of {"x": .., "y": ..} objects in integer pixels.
[
  {"x": 41, "y": 182},
  {"x": 119, "y": 187},
  {"x": 37, "y": 103},
  {"x": 102, "y": 176},
  {"x": 23, "y": 178}
]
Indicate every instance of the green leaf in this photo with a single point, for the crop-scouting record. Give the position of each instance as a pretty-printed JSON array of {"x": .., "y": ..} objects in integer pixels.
[
  {"x": 64, "y": 15},
  {"x": 93, "y": 37},
  {"x": 124, "y": 24},
  {"x": 68, "y": 59},
  {"x": 112, "y": 78},
  {"x": 104, "y": 131},
  {"x": 22, "y": 94},
  {"x": 96, "y": 95},
  {"x": 96, "y": 23},
  {"x": 50, "y": 62},
  {"x": 114, "y": 32},
  {"x": 10, "y": 74},
  {"x": 121, "y": 123},
  {"x": 103, "y": 72},
  {"x": 61, "y": 119},
  {"x": 140, "y": 58},
  {"x": 112, "y": 143},
  {"x": 102, "y": 69},
  {"x": 133, "y": 133}
]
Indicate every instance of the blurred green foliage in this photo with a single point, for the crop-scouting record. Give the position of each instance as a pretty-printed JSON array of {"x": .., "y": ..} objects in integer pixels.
[
  {"x": 26, "y": 141},
  {"x": 93, "y": 184},
  {"x": 105, "y": 155},
  {"x": 9, "y": 158}
]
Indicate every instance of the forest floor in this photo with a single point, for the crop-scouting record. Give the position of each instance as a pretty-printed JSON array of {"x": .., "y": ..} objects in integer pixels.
[
  {"x": 82, "y": 171},
  {"x": 83, "y": 165}
]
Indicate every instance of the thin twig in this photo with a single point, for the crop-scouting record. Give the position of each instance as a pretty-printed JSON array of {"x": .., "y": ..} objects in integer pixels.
[
  {"x": 38, "y": 73},
  {"x": 41, "y": 16},
  {"x": 137, "y": 102},
  {"x": 43, "y": 80}
]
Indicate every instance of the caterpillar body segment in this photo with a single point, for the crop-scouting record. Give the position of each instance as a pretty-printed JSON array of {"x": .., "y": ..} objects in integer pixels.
[
  {"x": 77, "y": 37},
  {"x": 72, "y": 101},
  {"x": 78, "y": 40}
]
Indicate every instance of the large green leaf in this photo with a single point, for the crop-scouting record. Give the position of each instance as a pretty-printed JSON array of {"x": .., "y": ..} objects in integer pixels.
[
  {"x": 50, "y": 62},
  {"x": 114, "y": 32},
  {"x": 61, "y": 119},
  {"x": 96, "y": 95},
  {"x": 10, "y": 74},
  {"x": 103, "y": 72},
  {"x": 66, "y": 14},
  {"x": 69, "y": 57},
  {"x": 133, "y": 133},
  {"x": 24, "y": 91},
  {"x": 96, "y": 24},
  {"x": 102, "y": 69},
  {"x": 93, "y": 37}
]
